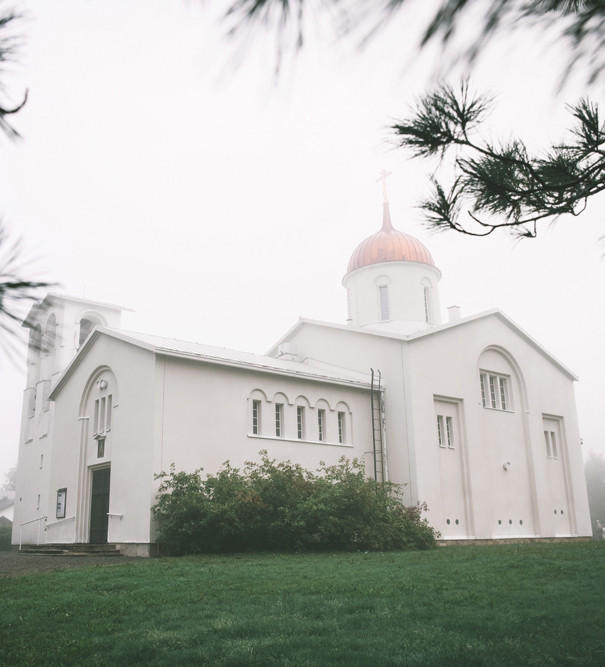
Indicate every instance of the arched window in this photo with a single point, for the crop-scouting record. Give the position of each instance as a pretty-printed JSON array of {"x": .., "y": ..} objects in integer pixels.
[
  {"x": 426, "y": 295},
  {"x": 383, "y": 297}
]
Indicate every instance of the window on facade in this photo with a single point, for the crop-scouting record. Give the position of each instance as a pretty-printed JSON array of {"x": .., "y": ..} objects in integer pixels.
[
  {"x": 100, "y": 448},
  {"x": 279, "y": 419},
  {"x": 383, "y": 292},
  {"x": 449, "y": 429},
  {"x": 300, "y": 422},
  {"x": 427, "y": 304},
  {"x": 342, "y": 434},
  {"x": 495, "y": 391},
  {"x": 102, "y": 415},
  {"x": 445, "y": 431},
  {"x": 440, "y": 431},
  {"x": 551, "y": 445},
  {"x": 256, "y": 417},
  {"x": 61, "y": 503},
  {"x": 41, "y": 461},
  {"x": 38, "y": 502},
  {"x": 321, "y": 424}
]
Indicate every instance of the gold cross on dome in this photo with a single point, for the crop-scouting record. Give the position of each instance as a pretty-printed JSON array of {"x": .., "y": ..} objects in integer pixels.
[{"x": 383, "y": 177}]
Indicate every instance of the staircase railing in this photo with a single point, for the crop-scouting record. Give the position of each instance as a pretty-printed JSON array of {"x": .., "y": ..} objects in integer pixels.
[{"x": 26, "y": 523}]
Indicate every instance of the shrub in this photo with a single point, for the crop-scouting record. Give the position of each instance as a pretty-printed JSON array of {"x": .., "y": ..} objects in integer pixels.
[{"x": 281, "y": 506}]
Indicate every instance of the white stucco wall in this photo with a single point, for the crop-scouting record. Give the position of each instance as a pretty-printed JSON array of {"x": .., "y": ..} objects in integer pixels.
[
  {"x": 447, "y": 364},
  {"x": 129, "y": 448},
  {"x": 360, "y": 351},
  {"x": 204, "y": 417}
]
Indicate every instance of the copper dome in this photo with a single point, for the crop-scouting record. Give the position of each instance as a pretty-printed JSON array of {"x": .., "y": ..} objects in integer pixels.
[{"x": 388, "y": 245}]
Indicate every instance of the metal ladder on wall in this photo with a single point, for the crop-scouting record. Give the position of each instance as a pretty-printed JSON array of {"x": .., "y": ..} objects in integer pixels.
[{"x": 377, "y": 408}]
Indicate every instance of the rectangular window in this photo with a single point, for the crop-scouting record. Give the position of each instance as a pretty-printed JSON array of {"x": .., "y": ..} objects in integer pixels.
[
  {"x": 41, "y": 461},
  {"x": 321, "y": 425},
  {"x": 100, "y": 448},
  {"x": 256, "y": 417},
  {"x": 494, "y": 391},
  {"x": 440, "y": 434},
  {"x": 61, "y": 503},
  {"x": 96, "y": 420},
  {"x": 383, "y": 291},
  {"x": 38, "y": 502},
  {"x": 300, "y": 422},
  {"x": 108, "y": 415},
  {"x": 449, "y": 427},
  {"x": 341, "y": 427},
  {"x": 547, "y": 442},
  {"x": 483, "y": 379},
  {"x": 503, "y": 393},
  {"x": 550, "y": 439},
  {"x": 102, "y": 416},
  {"x": 279, "y": 419}
]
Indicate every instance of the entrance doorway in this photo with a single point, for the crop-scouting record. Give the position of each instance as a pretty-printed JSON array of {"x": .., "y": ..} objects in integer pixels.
[{"x": 99, "y": 506}]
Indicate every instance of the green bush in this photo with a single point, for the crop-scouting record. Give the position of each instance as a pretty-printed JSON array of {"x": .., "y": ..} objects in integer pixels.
[{"x": 283, "y": 507}]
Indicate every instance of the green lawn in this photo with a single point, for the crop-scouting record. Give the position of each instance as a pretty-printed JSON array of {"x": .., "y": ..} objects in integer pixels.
[{"x": 494, "y": 605}]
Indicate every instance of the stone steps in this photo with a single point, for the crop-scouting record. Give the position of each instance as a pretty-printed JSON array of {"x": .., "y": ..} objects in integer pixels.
[{"x": 77, "y": 550}]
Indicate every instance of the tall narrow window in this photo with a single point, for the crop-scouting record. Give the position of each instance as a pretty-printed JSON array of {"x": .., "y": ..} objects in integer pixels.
[
  {"x": 449, "y": 427},
  {"x": 440, "y": 433},
  {"x": 342, "y": 434},
  {"x": 492, "y": 391},
  {"x": 256, "y": 417},
  {"x": 102, "y": 415},
  {"x": 38, "y": 502},
  {"x": 108, "y": 414},
  {"x": 383, "y": 291},
  {"x": 503, "y": 393},
  {"x": 427, "y": 304},
  {"x": 96, "y": 419},
  {"x": 279, "y": 419},
  {"x": 547, "y": 442},
  {"x": 300, "y": 422},
  {"x": 321, "y": 425},
  {"x": 100, "y": 448},
  {"x": 553, "y": 443},
  {"x": 483, "y": 379}
]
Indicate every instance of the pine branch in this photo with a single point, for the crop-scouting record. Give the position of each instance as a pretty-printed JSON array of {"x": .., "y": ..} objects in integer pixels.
[{"x": 505, "y": 182}]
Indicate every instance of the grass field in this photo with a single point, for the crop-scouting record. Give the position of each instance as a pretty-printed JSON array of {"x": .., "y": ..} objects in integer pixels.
[{"x": 494, "y": 605}]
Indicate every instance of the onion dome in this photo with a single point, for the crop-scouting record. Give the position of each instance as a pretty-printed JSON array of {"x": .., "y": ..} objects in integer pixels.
[{"x": 389, "y": 245}]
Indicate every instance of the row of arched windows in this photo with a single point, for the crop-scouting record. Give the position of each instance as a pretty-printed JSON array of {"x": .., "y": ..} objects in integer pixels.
[{"x": 299, "y": 419}]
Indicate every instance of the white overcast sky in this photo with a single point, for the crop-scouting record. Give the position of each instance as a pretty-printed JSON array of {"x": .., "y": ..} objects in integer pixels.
[{"x": 221, "y": 204}]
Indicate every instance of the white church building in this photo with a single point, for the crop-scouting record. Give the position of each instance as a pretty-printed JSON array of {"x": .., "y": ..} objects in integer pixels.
[{"x": 471, "y": 416}]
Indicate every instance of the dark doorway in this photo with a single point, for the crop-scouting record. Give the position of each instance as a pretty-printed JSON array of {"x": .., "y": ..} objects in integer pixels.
[{"x": 99, "y": 506}]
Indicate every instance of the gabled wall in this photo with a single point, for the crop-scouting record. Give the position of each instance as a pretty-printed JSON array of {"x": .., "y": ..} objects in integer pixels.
[
  {"x": 129, "y": 452},
  {"x": 503, "y": 500}
]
